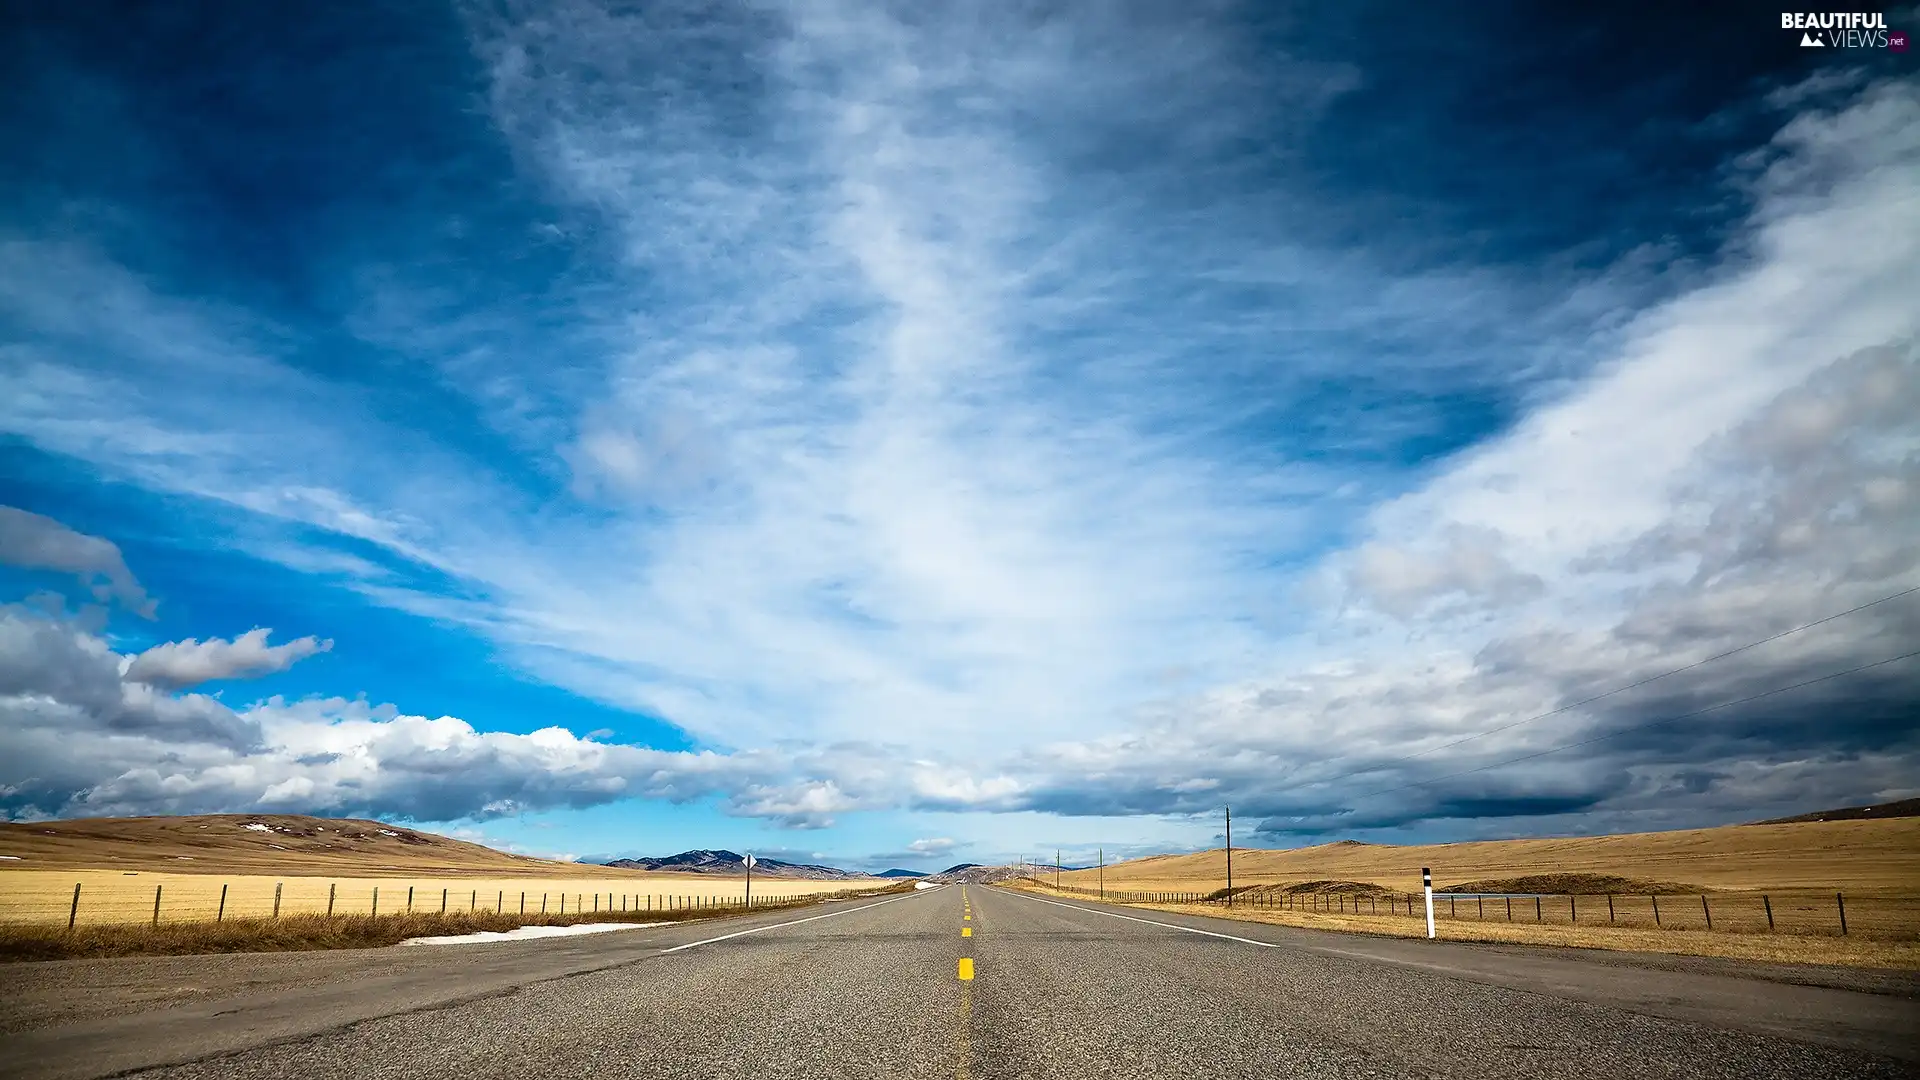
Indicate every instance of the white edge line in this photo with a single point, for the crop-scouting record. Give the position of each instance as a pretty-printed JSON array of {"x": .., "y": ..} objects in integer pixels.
[
  {"x": 1149, "y": 922},
  {"x": 795, "y": 922}
]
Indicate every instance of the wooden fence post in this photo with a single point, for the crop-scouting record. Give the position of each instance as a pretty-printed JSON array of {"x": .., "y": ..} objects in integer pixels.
[
  {"x": 331, "y": 886},
  {"x": 222, "y": 912},
  {"x": 276, "y": 899},
  {"x": 1536, "y": 909},
  {"x": 156, "y": 905},
  {"x": 409, "y": 899},
  {"x": 1609, "y": 907},
  {"x": 376, "y": 899},
  {"x": 1842, "y": 901},
  {"x": 1573, "y": 906},
  {"x": 443, "y": 900},
  {"x": 1769, "y": 906},
  {"x": 74, "y": 912},
  {"x": 1656, "y": 910},
  {"x": 1509, "y": 909},
  {"x": 1707, "y": 911}
]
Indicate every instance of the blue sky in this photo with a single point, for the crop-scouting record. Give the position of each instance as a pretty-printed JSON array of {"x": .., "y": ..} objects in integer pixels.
[{"x": 864, "y": 434}]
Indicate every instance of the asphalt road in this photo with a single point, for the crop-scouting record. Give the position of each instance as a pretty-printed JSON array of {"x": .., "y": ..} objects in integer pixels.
[{"x": 877, "y": 988}]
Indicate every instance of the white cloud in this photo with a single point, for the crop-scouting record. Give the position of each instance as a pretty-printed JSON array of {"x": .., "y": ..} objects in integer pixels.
[
  {"x": 177, "y": 664},
  {"x": 939, "y": 845}
]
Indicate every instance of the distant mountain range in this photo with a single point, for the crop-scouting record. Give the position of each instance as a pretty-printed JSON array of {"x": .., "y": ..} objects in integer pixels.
[
  {"x": 729, "y": 862},
  {"x": 900, "y": 873}
]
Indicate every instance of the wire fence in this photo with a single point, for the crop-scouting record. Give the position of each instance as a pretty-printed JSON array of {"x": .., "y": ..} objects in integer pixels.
[
  {"x": 175, "y": 900},
  {"x": 1803, "y": 912}
]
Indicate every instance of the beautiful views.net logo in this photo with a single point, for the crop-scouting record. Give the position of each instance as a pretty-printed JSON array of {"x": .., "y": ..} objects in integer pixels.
[{"x": 1844, "y": 30}]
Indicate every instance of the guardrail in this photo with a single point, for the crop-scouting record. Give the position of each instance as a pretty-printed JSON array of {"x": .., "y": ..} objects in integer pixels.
[{"x": 1788, "y": 911}]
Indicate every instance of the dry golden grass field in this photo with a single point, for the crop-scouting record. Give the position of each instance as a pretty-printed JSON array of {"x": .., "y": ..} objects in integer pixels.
[
  {"x": 120, "y": 863},
  {"x": 1869, "y": 856},
  {"x": 1757, "y": 892},
  {"x": 1685, "y": 937},
  {"x": 122, "y": 896}
]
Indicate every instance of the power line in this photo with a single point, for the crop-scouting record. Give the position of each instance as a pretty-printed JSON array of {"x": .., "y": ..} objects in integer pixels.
[
  {"x": 1638, "y": 727},
  {"x": 1616, "y": 690}
]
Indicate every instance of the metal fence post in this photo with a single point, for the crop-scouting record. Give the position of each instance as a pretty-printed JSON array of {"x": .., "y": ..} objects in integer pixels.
[
  {"x": 74, "y": 912},
  {"x": 1707, "y": 911},
  {"x": 1842, "y": 902},
  {"x": 1656, "y": 909},
  {"x": 222, "y": 912}
]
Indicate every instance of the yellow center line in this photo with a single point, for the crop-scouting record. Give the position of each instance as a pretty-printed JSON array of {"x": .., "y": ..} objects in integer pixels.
[
  {"x": 966, "y": 969},
  {"x": 966, "y": 931}
]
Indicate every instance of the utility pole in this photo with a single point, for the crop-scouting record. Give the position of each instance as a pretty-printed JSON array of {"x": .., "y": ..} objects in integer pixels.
[
  {"x": 1229, "y": 856},
  {"x": 1056, "y": 868},
  {"x": 1103, "y": 873}
]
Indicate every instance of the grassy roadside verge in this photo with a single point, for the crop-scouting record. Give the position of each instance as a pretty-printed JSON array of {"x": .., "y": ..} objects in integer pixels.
[
  {"x": 295, "y": 933},
  {"x": 1769, "y": 948}
]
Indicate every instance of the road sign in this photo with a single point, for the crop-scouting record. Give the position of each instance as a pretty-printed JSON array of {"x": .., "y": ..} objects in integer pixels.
[{"x": 749, "y": 860}]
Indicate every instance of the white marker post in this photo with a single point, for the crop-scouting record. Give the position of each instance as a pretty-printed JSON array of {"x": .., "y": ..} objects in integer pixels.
[
  {"x": 749, "y": 861},
  {"x": 1426, "y": 882}
]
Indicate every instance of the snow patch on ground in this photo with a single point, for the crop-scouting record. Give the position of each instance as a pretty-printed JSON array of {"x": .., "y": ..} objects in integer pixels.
[
  {"x": 918, "y": 885},
  {"x": 525, "y": 933},
  {"x": 254, "y": 826},
  {"x": 388, "y": 832},
  {"x": 10, "y": 858}
]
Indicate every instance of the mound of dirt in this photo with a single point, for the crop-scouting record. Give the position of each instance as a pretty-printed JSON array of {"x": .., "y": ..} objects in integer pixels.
[
  {"x": 1576, "y": 885},
  {"x": 1333, "y": 887}
]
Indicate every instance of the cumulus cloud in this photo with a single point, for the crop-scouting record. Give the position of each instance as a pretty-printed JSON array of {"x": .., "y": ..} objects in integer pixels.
[
  {"x": 939, "y": 845},
  {"x": 35, "y": 542},
  {"x": 177, "y": 664},
  {"x": 78, "y": 739}
]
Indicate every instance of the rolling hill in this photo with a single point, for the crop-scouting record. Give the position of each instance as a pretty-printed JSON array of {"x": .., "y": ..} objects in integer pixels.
[
  {"x": 250, "y": 843},
  {"x": 1869, "y": 854}
]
